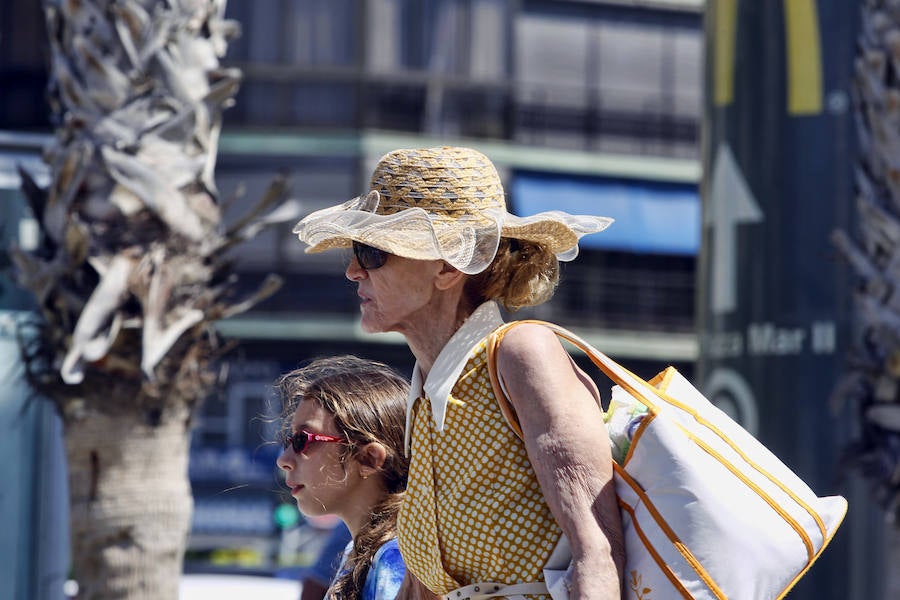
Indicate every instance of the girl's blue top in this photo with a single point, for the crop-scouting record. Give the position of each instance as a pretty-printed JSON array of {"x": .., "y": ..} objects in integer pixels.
[{"x": 385, "y": 573}]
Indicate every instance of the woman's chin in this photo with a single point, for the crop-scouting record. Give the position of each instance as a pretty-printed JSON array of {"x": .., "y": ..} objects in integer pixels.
[{"x": 370, "y": 325}]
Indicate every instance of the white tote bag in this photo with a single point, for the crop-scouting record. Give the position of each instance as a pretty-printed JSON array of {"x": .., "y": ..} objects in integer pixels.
[{"x": 708, "y": 511}]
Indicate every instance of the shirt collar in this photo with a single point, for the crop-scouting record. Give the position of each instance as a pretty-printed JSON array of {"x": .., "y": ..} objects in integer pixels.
[{"x": 449, "y": 364}]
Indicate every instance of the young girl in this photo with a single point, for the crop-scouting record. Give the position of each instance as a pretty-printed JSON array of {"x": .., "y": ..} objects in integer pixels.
[{"x": 343, "y": 455}]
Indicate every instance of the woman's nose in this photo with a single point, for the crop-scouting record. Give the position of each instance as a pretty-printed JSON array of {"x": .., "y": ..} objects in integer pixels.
[{"x": 355, "y": 272}]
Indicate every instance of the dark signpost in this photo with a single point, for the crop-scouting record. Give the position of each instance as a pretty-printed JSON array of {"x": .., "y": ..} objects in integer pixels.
[{"x": 774, "y": 294}]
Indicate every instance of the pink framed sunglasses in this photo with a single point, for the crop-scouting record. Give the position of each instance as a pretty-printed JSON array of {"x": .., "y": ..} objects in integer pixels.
[{"x": 301, "y": 440}]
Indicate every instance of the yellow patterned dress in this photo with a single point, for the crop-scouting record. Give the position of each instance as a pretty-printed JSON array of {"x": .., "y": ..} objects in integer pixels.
[{"x": 474, "y": 511}]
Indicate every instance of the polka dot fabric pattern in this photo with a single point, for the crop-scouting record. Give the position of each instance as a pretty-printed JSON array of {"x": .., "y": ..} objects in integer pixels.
[{"x": 474, "y": 510}]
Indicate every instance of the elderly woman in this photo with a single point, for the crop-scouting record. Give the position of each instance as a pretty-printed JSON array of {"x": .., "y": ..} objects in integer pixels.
[{"x": 434, "y": 254}]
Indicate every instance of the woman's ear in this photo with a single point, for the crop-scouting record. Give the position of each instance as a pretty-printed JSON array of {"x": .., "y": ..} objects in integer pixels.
[
  {"x": 371, "y": 458},
  {"x": 448, "y": 276}
]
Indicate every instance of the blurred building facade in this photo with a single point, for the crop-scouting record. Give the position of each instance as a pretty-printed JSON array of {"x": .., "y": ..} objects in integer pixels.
[{"x": 588, "y": 106}]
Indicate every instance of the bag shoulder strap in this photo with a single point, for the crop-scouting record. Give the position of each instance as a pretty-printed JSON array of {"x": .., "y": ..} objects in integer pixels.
[
  {"x": 493, "y": 344},
  {"x": 634, "y": 385}
]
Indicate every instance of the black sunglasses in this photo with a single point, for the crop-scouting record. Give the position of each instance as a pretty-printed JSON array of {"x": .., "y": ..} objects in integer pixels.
[
  {"x": 369, "y": 257},
  {"x": 301, "y": 440}
]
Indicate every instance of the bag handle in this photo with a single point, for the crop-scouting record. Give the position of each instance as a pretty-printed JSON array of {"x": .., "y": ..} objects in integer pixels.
[{"x": 633, "y": 384}]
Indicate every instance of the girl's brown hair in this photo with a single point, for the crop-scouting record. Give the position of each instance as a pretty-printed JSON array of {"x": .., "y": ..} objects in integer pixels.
[
  {"x": 521, "y": 274},
  {"x": 368, "y": 402}
]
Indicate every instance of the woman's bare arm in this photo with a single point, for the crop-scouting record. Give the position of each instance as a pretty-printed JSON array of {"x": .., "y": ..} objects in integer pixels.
[{"x": 568, "y": 446}]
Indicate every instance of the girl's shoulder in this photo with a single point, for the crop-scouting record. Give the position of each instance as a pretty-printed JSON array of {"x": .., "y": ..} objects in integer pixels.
[
  {"x": 388, "y": 557},
  {"x": 386, "y": 573}
]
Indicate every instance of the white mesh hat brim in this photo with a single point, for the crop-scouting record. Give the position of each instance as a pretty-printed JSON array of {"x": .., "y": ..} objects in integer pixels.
[{"x": 468, "y": 243}]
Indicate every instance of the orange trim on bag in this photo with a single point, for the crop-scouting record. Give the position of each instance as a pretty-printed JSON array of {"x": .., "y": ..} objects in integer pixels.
[
  {"x": 645, "y": 423},
  {"x": 663, "y": 566},
  {"x": 493, "y": 343},
  {"x": 589, "y": 351},
  {"x": 662, "y": 379},
  {"x": 680, "y": 546},
  {"x": 704, "y": 422},
  {"x": 584, "y": 347},
  {"x": 804, "y": 537},
  {"x": 722, "y": 436},
  {"x": 803, "y": 571}
]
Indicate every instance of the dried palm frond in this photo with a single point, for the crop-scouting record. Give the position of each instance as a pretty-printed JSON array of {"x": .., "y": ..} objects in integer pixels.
[{"x": 131, "y": 223}]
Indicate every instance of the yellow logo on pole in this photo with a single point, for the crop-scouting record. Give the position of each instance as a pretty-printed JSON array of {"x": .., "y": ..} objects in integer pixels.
[
  {"x": 802, "y": 48},
  {"x": 724, "y": 37}
]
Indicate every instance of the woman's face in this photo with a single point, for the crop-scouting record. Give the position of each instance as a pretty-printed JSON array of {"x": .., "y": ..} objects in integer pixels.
[
  {"x": 396, "y": 295},
  {"x": 318, "y": 481}
]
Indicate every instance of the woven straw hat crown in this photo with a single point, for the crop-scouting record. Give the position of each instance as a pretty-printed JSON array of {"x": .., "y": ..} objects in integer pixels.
[
  {"x": 442, "y": 203},
  {"x": 448, "y": 182}
]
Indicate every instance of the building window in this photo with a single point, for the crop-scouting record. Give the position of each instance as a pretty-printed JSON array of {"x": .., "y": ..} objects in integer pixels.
[
  {"x": 295, "y": 32},
  {"x": 462, "y": 38},
  {"x": 320, "y": 32},
  {"x": 595, "y": 79}
]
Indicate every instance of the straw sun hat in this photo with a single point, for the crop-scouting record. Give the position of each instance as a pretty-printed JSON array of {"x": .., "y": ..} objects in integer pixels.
[{"x": 440, "y": 203}]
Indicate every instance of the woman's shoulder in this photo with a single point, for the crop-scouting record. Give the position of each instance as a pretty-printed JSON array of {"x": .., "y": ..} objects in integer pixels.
[
  {"x": 528, "y": 340},
  {"x": 531, "y": 359}
]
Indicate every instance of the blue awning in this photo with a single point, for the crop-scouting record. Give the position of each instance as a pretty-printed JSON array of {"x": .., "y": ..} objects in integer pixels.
[{"x": 651, "y": 217}]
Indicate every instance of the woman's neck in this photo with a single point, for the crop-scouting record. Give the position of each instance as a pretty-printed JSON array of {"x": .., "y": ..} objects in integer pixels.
[
  {"x": 427, "y": 338},
  {"x": 427, "y": 343}
]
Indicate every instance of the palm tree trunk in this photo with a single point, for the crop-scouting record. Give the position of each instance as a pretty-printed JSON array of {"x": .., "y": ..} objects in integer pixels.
[
  {"x": 130, "y": 503},
  {"x": 127, "y": 442}
]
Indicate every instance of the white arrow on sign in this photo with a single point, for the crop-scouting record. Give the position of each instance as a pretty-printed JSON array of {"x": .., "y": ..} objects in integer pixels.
[{"x": 731, "y": 204}]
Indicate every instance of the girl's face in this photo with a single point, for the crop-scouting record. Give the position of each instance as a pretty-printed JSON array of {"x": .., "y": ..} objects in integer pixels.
[
  {"x": 318, "y": 481},
  {"x": 395, "y": 295}
]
